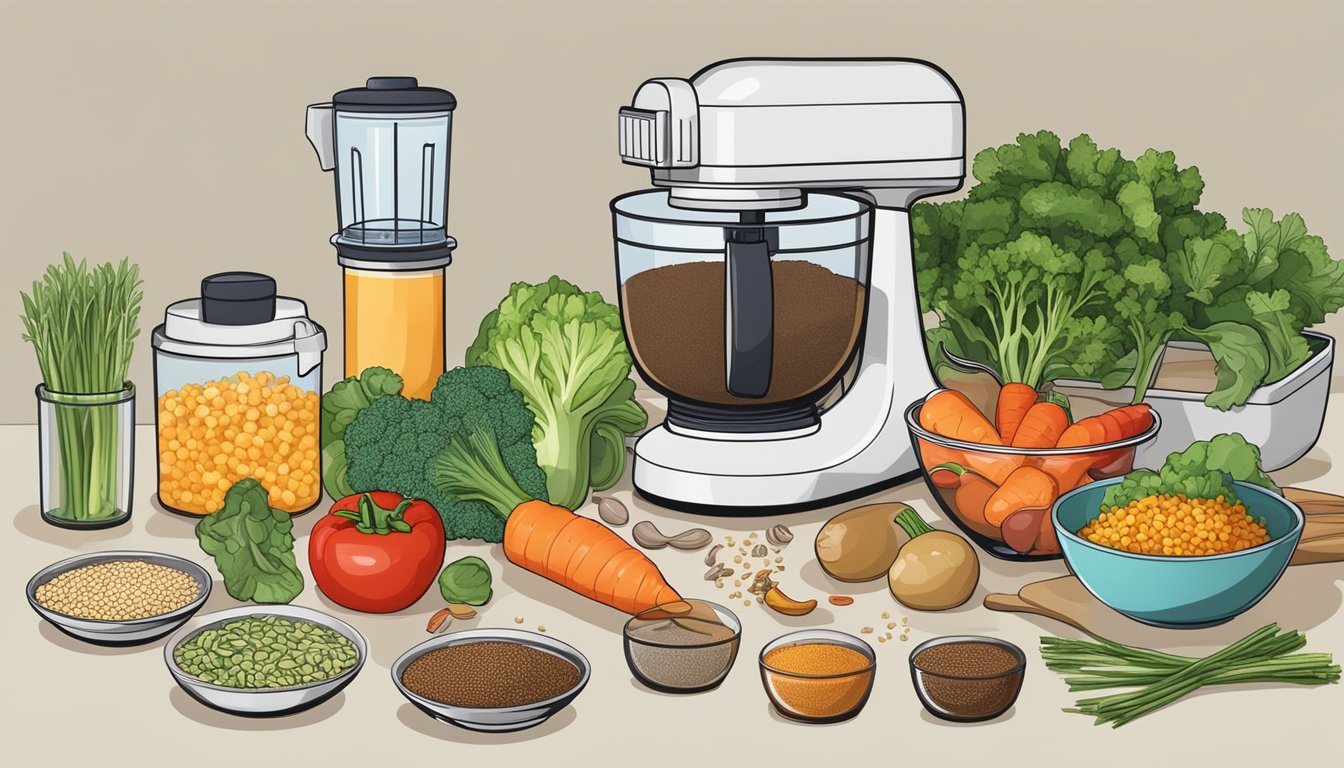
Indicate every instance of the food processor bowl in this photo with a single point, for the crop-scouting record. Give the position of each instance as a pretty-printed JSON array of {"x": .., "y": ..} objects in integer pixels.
[{"x": 743, "y": 319}]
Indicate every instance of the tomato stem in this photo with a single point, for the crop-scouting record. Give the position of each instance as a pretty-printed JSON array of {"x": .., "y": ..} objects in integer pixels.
[{"x": 371, "y": 518}]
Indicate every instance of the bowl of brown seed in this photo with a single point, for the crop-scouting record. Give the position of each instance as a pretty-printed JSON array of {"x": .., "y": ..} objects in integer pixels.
[
  {"x": 119, "y": 597},
  {"x": 967, "y": 678},
  {"x": 492, "y": 680}
]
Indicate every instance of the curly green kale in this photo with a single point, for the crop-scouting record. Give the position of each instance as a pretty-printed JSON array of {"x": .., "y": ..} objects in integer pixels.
[
  {"x": 1165, "y": 270},
  {"x": 1205, "y": 470},
  {"x": 564, "y": 350},
  {"x": 395, "y": 445}
]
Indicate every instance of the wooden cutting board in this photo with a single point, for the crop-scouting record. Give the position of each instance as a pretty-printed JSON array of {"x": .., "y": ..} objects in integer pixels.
[{"x": 1065, "y": 599}]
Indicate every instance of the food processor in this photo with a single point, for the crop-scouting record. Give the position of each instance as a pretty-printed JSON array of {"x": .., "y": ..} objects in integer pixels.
[
  {"x": 767, "y": 283},
  {"x": 237, "y": 387},
  {"x": 389, "y": 144}
]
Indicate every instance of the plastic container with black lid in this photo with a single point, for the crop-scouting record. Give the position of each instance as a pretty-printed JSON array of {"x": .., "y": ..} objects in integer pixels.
[{"x": 237, "y": 384}]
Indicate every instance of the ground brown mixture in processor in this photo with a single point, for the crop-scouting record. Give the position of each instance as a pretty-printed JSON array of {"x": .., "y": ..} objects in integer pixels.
[
  {"x": 489, "y": 674},
  {"x": 674, "y": 319}
]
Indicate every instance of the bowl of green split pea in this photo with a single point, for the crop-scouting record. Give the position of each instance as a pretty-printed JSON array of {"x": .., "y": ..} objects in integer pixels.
[{"x": 264, "y": 661}]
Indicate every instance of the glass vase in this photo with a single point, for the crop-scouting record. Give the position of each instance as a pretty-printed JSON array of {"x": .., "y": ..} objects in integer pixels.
[{"x": 86, "y": 456}]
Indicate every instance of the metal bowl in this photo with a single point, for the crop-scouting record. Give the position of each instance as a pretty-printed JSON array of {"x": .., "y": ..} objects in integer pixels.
[
  {"x": 119, "y": 633},
  {"x": 494, "y": 719},
  {"x": 263, "y": 702}
]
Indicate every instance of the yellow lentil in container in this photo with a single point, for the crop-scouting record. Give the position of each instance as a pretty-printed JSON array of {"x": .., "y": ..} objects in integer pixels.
[
  {"x": 121, "y": 590},
  {"x": 248, "y": 425},
  {"x": 1176, "y": 525}
]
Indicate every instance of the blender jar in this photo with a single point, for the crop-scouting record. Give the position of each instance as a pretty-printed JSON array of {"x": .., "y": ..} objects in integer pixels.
[
  {"x": 237, "y": 382},
  {"x": 743, "y": 319},
  {"x": 389, "y": 145}
]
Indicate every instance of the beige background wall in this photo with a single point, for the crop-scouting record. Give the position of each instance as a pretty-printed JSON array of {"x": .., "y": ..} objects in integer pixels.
[{"x": 173, "y": 132}]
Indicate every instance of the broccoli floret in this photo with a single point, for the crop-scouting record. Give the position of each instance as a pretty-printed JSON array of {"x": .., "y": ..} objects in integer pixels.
[{"x": 395, "y": 445}]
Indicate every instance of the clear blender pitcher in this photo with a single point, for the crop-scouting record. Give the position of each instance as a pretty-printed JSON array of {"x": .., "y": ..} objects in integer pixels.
[{"x": 389, "y": 145}]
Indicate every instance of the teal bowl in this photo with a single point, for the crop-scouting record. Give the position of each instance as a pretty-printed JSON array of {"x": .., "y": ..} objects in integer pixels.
[{"x": 1173, "y": 591}]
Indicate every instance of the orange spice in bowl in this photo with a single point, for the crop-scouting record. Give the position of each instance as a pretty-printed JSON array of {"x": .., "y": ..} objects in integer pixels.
[{"x": 818, "y": 675}]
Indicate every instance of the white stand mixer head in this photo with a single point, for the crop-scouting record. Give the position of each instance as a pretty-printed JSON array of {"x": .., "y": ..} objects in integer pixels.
[{"x": 754, "y": 135}]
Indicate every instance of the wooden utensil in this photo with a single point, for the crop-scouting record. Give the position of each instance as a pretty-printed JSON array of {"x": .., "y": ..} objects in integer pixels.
[{"x": 1066, "y": 600}]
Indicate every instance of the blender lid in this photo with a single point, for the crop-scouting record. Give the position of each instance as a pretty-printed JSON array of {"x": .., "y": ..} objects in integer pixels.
[{"x": 394, "y": 94}]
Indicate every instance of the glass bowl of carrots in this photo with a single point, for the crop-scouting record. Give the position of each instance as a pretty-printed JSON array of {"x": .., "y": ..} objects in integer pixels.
[{"x": 997, "y": 475}]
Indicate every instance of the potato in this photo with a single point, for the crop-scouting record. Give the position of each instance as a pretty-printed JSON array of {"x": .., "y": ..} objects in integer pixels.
[
  {"x": 860, "y": 544},
  {"x": 934, "y": 571}
]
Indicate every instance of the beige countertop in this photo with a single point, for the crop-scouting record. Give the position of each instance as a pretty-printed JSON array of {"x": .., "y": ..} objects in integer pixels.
[{"x": 70, "y": 703}]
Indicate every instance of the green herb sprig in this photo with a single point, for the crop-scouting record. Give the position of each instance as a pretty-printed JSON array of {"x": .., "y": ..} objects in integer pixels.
[
  {"x": 1264, "y": 656},
  {"x": 82, "y": 324}
]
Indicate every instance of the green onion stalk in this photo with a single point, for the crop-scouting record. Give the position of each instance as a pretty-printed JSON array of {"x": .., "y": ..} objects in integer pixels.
[{"x": 82, "y": 324}]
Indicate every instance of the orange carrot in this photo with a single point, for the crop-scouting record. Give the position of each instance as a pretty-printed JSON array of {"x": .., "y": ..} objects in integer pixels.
[
  {"x": 1014, "y": 402},
  {"x": 575, "y": 552},
  {"x": 951, "y": 414},
  {"x": 1025, "y": 488},
  {"x": 972, "y": 496},
  {"x": 1041, "y": 427},
  {"x": 585, "y": 556},
  {"x": 1115, "y": 424}
]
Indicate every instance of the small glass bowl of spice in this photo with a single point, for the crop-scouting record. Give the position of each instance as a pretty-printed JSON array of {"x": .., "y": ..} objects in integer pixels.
[
  {"x": 682, "y": 647},
  {"x": 818, "y": 675},
  {"x": 967, "y": 678}
]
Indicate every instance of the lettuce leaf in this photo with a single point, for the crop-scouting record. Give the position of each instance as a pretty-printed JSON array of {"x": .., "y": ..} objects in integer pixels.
[{"x": 1205, "y": 470}]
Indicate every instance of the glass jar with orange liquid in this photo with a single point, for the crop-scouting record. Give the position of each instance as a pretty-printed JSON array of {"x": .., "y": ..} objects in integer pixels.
[{"x": 394, "y": 319}]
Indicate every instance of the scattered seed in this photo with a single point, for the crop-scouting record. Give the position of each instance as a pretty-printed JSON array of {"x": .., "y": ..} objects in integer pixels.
[
  {"x": 904, "y": 638},
  {"x": 779, "y": 559},
  {"x": 886, "y": 615},
  {"x": 867, "y": 630},
  {"x": 461, "y": 611},
  {"x": 438, "y": 620},
  {"x": 759, "y": 551},
  {"x": 904, "y": 621},
  {"x": 840, "y": 600},
  {"x": 541, "y": 627},
  {"x": 714, "y": 572},
  {"x": 726, "y": 572},
  {"x": 882, "y": 639},
  {"x": 517, "y": 619},
  {"x": 718, "y": 583},
  {"x": 612, "y": 511},
  {"x": 779, "y": 535},
  {"x": 737, "y": 559},
  {"x": 779, "y": 567},
  {"x": 746, "y": 602},
  {"x": 712, "y": 556},
  {"x": 891, "y": 625},
  {"x": 647, "y": 535}
]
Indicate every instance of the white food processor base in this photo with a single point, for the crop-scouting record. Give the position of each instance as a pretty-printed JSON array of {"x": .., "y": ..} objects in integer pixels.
[{"x": 863, "y": 444}]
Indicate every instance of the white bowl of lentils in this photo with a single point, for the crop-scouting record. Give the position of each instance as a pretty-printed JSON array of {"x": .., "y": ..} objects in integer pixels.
[{"x": 120, "y": 597}]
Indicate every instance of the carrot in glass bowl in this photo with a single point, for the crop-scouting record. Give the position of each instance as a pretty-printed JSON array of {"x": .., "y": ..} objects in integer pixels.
[
  {"x": 965, "y": 475},
  {"x": 1041, "y": 427},
  {"x": 1014, "y": 402}
]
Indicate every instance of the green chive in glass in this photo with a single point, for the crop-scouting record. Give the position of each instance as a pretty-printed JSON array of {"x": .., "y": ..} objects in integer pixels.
[{"x": 82, "y": 323}]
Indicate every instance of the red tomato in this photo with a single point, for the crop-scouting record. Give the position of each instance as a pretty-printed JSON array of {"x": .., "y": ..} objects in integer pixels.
[{"x": 376, "y": 552}]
